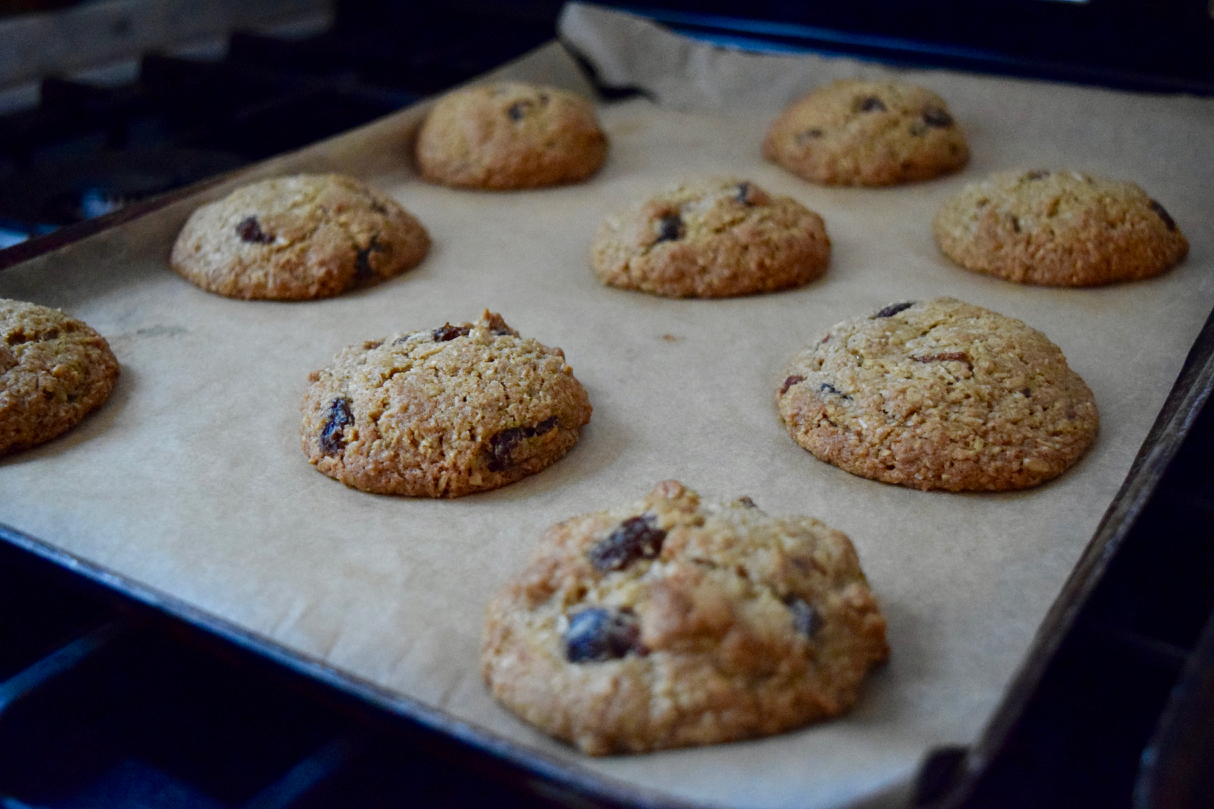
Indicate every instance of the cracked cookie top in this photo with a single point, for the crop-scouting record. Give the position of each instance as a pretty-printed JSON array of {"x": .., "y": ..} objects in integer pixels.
[
  {"x": 679, "y": 621},
  {"x": 1058, "y": 228},
  {"x": 301, "y": 237},
  {"x": 711, "y": 239},
  {"x": 442, "y": 413},
  {"x": 938, "y": 394},
  {"x": 870, "y": 133},
  {"x": 510, "y": 135},
  {"x": 54, "y": 369}
]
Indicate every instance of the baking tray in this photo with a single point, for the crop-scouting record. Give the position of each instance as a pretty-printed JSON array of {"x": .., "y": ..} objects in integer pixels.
[{"x": 188, "y": 489}]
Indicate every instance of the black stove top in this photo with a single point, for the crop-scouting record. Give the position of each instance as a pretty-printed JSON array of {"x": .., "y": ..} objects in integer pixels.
[{"x": 87, "y": 150}]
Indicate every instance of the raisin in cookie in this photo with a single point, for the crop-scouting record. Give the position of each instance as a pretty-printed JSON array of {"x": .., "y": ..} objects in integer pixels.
[
  {"x": 711, "y": 240},
  {"x": 54, "y": 369},
  {"x": 508, "y": 136},
  {"x": 678, "y": 621},
  {"x": 867, "y": 133},
  {"x": 442, "y": 413},
  {"x": 939, "y": 395},
  {"x": 1058, "y": 228},
  {"x": 298, "y": 238}
]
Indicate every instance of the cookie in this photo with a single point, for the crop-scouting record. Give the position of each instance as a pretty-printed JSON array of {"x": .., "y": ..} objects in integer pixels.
[
  {"x": 1058, "y": 228},
  {"x": 677, "y": 621},
  {"x": 867, "y": 133},
  {"x": 54, "y": 369},
  {"x": 508, "y": 136},
  {"x": 939, "y": 395},
  {"x": 711, "y": 240},
  {"x": 442, "y": 413},
  {"x": 298, "y": 238}
]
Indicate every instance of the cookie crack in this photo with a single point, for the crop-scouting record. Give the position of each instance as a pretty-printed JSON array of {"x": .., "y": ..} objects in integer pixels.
[{"x": 758, "y": 587}]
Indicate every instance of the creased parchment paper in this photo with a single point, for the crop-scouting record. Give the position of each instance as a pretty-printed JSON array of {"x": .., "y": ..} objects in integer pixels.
[{"x": 191, "y": 479}]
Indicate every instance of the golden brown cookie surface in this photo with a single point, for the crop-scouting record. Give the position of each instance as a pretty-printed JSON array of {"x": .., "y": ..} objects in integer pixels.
[
  {"x": 442, "y": 413},
  {"x": 1058, "y": 228},
  {"x": 300, "y": 237},
  {"x": 510, "y": 135},
  {"x": 54, "y": 369},
  {"x": 871, "y": 133},
  {"x": 680, "y": 621},
  {"x": 711, "y": 239},
  {"x": 939, "y": 394}
]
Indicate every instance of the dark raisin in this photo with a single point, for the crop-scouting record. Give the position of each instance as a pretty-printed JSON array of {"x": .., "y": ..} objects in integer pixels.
[
  {"x": 447, "y": 332},
  {"x": 937, "y": 117},
  {"x": 742, "y": 194},
  {"x": 788, "y": 383},
  {"x": 669, "y": 228},
  {"x": 362, "y": 260},
  {"x": 826, "y": 387},
  {"x": 518, "y": 110},
  {"x": 804, "y": 617},
  {"x": 596, "y": 634},
  {"x": 250, "y": 230},
  {"x": 746, "y": 501},
  {"x": 502, "y": 445},
  {"x": 1028, "y": 392},
  {"x": 1167, "y": 220},
  {"x": 871, "y": 104},
  {"x": 544, "y": 426},
  {"x": 332, "y": 437},
  {"x": 378, "y": 207},
  {"x": 892, "y": 309},
  {"x": 946, "y": 356},
  {"x": 1037, "y": 174},
  {"x": 634, "y": 538}
]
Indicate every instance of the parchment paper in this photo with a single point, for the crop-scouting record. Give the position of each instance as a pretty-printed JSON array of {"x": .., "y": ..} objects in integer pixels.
[{"x": 191, "y": 479}]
